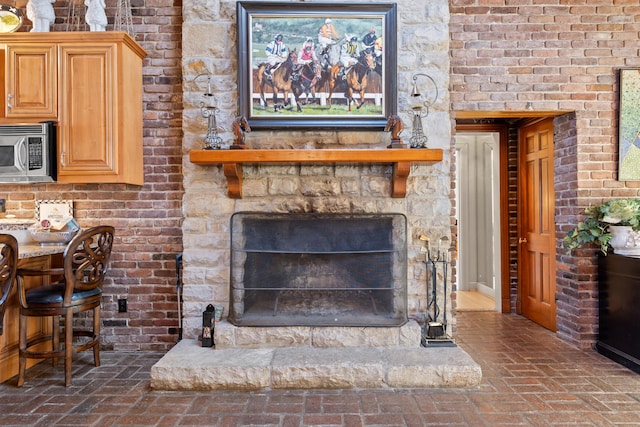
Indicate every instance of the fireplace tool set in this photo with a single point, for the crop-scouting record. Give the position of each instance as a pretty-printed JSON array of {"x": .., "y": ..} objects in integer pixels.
[{"x": 435, "y": 330}]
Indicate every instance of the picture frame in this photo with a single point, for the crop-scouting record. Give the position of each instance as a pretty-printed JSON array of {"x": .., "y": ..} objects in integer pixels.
[
  {"x": 53, "y": 209},
  {"x": 316, "y": 98},
  {"x": 629, "y": 125}
]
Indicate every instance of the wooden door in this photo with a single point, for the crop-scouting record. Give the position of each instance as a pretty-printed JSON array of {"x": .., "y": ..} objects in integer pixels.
[
  {"x": 86, "y": 128},
  {"x": 30, "y": 84},
  {"x": 537, "y": 253}
]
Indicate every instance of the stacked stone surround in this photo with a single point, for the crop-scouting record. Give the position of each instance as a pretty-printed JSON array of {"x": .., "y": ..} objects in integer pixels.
[{"x": 209, "y": 46}]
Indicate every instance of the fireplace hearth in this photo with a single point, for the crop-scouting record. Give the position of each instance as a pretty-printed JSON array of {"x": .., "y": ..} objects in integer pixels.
[{"x": 318, "y": 269}]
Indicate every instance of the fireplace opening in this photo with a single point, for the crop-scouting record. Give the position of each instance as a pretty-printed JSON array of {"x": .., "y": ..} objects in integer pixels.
[{"x": 318, "y": 269}]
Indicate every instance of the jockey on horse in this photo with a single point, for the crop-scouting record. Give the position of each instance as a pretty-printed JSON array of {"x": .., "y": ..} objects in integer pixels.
[
  {"x": 277, "y": 53},
  {"x": 349, "y": 55}
]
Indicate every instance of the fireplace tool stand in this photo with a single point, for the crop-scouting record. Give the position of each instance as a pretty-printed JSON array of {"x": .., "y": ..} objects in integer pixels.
[{"x": 434, "y": 331}]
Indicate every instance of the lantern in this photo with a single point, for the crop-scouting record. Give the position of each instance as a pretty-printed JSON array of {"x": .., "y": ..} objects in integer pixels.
[{"x": 208, "y": 326}]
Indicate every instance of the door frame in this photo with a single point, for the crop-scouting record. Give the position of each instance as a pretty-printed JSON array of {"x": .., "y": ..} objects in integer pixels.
[{"x": 501, "y": 129}]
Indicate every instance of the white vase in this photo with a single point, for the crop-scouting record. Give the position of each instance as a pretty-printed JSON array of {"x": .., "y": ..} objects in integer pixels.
[{"x": 624, "y": 240}]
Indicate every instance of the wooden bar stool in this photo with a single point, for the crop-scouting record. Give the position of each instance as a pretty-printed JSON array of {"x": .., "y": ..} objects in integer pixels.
[
  {"x": 74, "y": 288},
  {"x": 8, "y": 267}
]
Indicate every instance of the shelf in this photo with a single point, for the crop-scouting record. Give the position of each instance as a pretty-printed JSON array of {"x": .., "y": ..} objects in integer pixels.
[{"x": 232, "y": 161}]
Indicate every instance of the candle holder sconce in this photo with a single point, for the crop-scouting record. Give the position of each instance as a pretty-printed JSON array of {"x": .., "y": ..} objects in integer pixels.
[
  {"x": 420, "y": 111},
  {"x": 208, "y": 111}
]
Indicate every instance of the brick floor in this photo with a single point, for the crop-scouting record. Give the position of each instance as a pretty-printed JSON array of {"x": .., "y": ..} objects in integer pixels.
[{"x": 530, "y": 378}]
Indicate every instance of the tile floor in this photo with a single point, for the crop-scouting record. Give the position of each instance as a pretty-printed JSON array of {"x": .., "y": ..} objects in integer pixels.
[{"x": 531, "y": 378}]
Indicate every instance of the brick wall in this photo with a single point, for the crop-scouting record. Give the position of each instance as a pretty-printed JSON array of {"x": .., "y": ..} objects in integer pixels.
[
  {"x": 148, "y": 219},
  {"x": 558, "y": 57}
]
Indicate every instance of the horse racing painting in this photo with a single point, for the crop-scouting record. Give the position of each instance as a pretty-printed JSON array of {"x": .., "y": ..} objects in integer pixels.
[{"x": 316, "y": 65}]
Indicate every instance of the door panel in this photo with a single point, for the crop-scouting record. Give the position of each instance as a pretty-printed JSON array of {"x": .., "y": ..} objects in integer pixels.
[
  {"x": 31, "y": 81},
  {"x": 537, "y": 251}
]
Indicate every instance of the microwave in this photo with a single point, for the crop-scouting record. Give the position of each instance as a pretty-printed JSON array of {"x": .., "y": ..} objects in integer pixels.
[{"x": 28, "y": 152}]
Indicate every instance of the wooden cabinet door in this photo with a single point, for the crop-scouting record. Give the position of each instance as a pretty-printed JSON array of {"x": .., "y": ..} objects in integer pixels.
[
  {"x": 86, "y": 127},
  {"x": 30, "y": 82},
  {"x": 38, "y": 326}
]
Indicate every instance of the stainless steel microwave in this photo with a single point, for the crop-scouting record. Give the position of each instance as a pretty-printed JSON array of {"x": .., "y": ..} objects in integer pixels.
[{"x": 28, "y": 152}]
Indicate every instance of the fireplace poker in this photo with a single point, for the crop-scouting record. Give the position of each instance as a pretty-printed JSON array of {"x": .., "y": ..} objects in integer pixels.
[
  {"x": 445, "y": 268},
  {"x": 179, "y": 292}
]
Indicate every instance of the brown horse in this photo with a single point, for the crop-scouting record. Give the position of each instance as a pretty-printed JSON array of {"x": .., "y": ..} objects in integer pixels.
[
  {"x": 356, "y": 79},
  {"x": 240, "y": 127},
  {"x": 395, "y": 125},
  {"x": 280, "y": 81}
]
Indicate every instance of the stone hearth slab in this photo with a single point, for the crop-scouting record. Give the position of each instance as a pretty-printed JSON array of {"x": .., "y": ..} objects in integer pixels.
[
  {"x": 188, "y": 366},
  {"x": 227, "y": 335}
]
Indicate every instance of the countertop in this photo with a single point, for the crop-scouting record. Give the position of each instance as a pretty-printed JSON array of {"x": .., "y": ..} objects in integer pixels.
[{"x": 34, "y": 250}]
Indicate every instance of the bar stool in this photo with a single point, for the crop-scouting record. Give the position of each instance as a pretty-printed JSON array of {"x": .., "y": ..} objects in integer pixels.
[
  {"x": 74, "y": 288},
  {"x": 8, "y": 266}
]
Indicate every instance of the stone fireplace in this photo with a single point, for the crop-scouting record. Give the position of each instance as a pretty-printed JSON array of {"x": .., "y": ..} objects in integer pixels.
[
  {"x": 320, "y": 189},
  {"x": 382, "y": 269}
]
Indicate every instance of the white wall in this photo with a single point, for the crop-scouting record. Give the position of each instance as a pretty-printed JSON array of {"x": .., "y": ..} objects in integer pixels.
[{"x": 477, "y": 165}]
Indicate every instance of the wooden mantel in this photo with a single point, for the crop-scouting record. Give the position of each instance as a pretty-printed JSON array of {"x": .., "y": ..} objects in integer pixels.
[{"x": 232, "y": 161}]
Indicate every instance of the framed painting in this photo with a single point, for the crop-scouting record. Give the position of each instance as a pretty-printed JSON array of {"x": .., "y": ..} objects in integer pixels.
[
  {"x": 316, "y": 65},
  {"x": 629, "y": 125}
]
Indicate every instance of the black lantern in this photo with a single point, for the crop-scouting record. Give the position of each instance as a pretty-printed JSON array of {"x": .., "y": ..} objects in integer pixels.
[{"x": 208, "y": 326}]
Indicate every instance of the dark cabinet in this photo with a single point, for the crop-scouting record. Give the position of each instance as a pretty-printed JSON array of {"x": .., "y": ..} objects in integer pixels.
[{"x": 619, "y": 289}]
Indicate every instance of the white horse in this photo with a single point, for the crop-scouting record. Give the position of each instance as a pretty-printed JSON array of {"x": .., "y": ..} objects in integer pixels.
[
  {"x": 41, "y": 15},
  {"x": 95, "y": 16}
]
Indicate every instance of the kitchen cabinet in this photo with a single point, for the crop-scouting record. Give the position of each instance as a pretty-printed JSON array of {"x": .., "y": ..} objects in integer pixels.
[
  {"x": 38, "y": 327},
  {"x": 91, "y": 84},
  {"x": 30, "y": 82},
  {"x": 619, "y": 317}
]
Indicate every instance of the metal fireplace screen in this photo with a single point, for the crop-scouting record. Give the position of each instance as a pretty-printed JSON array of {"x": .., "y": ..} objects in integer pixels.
[{"x": 318, "y": 269}]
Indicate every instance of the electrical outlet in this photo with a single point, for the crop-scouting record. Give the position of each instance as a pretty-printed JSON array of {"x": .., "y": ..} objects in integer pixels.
[{"x": 122, "y": 305}]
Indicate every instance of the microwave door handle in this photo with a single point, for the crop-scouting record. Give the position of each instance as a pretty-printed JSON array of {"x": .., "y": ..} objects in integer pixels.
[{"x": 21, "y": 154}]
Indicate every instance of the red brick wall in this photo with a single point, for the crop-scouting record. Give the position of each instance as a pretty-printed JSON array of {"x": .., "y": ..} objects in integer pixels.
[
  {"x": 558, "y": 56},
  {"x": 148, "y": 219}
]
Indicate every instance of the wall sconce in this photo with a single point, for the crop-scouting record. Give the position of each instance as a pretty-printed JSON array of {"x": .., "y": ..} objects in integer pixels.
[
  {"x": 420, "y": 111},
  {"x": 208, "y": 111}
]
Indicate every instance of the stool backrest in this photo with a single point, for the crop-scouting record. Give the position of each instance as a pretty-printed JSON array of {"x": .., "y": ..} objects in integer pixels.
[
  {"x": 86, "y": 258},
  {"x": 8, "y": 268}
]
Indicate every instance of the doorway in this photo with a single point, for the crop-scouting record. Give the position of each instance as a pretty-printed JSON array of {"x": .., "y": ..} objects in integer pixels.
[
  {"x": 478, "y": 177},
  {"x": 517, "y": 233}
]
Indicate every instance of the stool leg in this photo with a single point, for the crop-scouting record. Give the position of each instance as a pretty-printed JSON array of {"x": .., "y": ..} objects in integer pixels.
[
  {"x": 22, "y": 347},
  {"x": 68, "y": 345},
  {"x": 55, "y": 337},
  {"x": 96, "y": 335}
]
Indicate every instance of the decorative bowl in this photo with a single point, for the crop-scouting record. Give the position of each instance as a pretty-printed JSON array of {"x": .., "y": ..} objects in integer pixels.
[
  {"x": 10, "y": 18},
  {"x": 45, "y": 237}
]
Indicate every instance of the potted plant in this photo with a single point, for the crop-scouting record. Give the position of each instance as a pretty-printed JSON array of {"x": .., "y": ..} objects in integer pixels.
[{"x": 614, "y": 223}]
